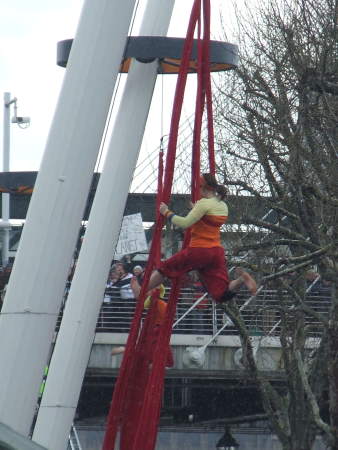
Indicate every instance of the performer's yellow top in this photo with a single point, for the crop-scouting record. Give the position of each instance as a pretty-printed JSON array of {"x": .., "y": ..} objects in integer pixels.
[{"x": 205, "y": 220}]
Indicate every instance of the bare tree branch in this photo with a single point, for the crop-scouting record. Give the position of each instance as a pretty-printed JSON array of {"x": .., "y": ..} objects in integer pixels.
[{"x": 315, "y": 409}]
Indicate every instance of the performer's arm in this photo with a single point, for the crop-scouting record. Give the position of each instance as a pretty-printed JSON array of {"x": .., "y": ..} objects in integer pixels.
[{"x": 199, "y": 210}]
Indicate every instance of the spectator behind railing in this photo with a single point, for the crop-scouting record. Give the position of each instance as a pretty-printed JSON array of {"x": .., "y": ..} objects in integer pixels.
[
  {"x": 5, "y": 273},
  {"x": 116, "y": 312},
  {"x": 317, "y": 285},
  {"x": 123, "y": 282},
  {"x": 111, "y": 289},
  {"x": 106, "y": 318},
  {"x": 318, "y": 293},
  {"x": 116, "y": 316},
  {"x": 137, "y": 270},
  {"x": 123, "y": 308}
]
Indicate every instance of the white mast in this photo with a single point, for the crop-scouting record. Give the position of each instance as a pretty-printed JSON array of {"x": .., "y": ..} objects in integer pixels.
[
  {"x": 72, "y": 350},
  {"x": 36, "y": 286}
]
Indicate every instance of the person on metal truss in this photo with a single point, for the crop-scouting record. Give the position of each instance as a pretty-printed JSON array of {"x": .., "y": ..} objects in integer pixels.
[{"x": 204, "y": 252}]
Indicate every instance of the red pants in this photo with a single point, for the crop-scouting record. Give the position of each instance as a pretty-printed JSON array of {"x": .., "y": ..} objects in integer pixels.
[{"x": 209, "y": 262}]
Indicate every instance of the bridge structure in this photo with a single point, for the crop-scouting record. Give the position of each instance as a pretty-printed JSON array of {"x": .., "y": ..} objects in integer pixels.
[
  {"x": 217, "y": 373},
  {"x": 208, "y": 386},
  {"x": 20, "y": 186}
]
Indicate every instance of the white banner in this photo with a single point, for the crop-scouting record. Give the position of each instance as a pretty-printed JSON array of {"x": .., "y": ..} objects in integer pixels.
[{"x": 132, "y": 236}]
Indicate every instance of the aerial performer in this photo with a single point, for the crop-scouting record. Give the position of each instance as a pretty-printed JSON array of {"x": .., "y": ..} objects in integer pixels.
[{"x": 204, "y": 252}]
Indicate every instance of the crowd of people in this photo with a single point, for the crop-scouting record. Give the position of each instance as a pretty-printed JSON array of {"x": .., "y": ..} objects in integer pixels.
[{"x": 121, "y": 294}]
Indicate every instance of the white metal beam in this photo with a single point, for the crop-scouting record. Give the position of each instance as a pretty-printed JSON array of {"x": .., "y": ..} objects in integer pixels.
[
  {"x": 72, "y": 350},
  {"x": 10, "y": 440},
  {"x": 37, "y": 282}
]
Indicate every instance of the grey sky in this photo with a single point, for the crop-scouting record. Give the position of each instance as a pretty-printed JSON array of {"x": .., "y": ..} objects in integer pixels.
[{"x": 29, "y": 33}]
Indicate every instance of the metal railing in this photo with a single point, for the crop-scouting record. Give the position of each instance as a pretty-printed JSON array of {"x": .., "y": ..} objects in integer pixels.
[
  {"x": 261, "y": 314},
  {"x": 74, "y": 441}
]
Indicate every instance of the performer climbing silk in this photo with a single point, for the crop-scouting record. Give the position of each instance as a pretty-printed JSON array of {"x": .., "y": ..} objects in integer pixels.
[{"x": 204, "y": 252}]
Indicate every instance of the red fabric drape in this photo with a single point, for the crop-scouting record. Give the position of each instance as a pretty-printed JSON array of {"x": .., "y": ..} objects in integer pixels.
[
  {"x": 157, "y": 256},
  {"x": 136, "y": 403},
  {"x": 207, "y": 85}
]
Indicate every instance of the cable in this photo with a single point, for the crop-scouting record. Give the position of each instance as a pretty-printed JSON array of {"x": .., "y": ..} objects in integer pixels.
[
  {"x": 182, "y": 156},
  {"x": 107, "y": 124},
  {"x": 112, "y": 104}
]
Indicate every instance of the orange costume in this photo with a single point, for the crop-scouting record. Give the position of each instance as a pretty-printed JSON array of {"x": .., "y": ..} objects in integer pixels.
[
  {"x": 204, "y": 252},
  {"x": 160, "y": 313}
]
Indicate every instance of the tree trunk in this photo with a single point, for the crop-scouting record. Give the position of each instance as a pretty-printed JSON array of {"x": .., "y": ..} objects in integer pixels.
[{"x": 333, "y": 367}]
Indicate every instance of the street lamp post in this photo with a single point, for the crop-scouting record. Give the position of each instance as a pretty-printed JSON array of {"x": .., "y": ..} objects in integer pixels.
[
  {"x": 5, "y": 168},
  {"x": 5, "y": 224},
  {"x": 227, "y": 441}
]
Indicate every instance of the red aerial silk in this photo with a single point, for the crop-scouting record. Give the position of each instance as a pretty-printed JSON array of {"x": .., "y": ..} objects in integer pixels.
[{"x": 136, "y": 403}]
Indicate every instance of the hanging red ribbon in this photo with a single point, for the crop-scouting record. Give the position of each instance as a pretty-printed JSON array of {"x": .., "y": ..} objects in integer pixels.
[{"x": 136, "y": 403}]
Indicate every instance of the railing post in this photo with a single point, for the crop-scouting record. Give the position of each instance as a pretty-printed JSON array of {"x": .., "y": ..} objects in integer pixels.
[{"x": 214, "y": 318}]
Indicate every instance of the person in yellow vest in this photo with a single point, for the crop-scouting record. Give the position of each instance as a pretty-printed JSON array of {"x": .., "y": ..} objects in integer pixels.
[{"x": 160, "y": 313}]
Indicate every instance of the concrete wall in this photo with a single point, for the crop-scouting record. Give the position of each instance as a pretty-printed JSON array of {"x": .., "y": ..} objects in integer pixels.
[
  {"x": 168, "y": 440},
  {"x": 223, "y": 355}
]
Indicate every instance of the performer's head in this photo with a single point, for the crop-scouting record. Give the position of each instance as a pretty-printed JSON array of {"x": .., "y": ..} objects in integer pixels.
[{"x": 209, "y": 187}]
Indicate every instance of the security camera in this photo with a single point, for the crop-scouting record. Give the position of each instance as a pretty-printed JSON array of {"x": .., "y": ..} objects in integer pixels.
[{"x": 21, "y": 120}]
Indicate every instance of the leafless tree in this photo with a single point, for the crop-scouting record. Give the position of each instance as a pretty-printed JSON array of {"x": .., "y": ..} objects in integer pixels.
[{"x": 277, "y": 130}]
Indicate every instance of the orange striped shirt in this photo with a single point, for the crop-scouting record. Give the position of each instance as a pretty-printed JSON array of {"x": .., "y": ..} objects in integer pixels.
[{"x": 205, "y": 221}]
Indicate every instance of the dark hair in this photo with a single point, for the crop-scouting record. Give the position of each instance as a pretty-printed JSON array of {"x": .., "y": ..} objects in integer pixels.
[{"x": 211, "y": 181}]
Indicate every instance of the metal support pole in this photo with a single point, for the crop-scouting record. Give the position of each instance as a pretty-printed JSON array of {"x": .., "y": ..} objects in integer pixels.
[
  {"x": 76, "y": 334},
  {"x": 193, "y": 306},
  {"x": 5, "y": 168},
  {"x": 228, "y": 321},
  {"x": 214, "y": 318},
  {"x": 41, "y": 267}
]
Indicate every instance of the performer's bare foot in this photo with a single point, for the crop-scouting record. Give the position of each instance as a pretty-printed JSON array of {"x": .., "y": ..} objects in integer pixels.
[
  {"x": 247, "y": 279},
  {"x": 118, "y": 350},
  {"x": 135, "y": 287}
]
